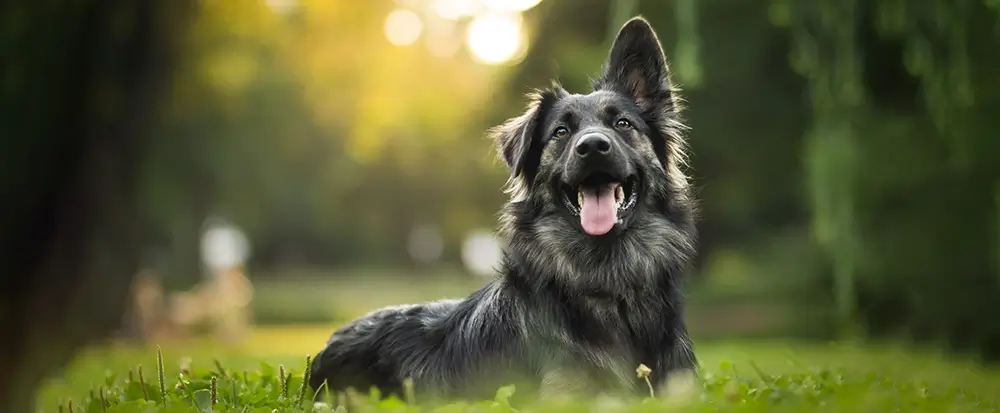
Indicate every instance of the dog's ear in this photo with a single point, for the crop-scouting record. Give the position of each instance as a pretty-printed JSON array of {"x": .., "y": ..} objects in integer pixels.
[
  {"x": 516, "y": 139},
  {"x": 637, "y": 67}
]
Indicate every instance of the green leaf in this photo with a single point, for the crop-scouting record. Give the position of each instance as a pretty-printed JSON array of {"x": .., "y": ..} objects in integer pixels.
[
  {"x": 110, "y": 378},
  {"x": 391, "y": 403},
  {"x": 504, "y": 394},
  {"x": 725, "y": 365},
  {"x": 134, "y": 391},
  {"x": 94, "y": 405},
  {"x": 203, "y": 399},
  {"x": 267, "y": 370}
]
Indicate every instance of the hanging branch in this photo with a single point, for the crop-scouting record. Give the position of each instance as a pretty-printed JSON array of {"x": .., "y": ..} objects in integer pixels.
[
  {"x": 621, "y": 11},
  {"x": 687, "y": 54},
  {"x": 825, "y": 51}
]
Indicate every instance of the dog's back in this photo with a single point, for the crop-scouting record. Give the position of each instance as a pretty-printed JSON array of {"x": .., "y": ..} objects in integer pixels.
[{"x": 436, "y": 344}]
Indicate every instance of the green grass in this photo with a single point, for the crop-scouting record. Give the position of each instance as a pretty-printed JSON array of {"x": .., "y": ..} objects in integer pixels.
[
  {"x": 752, "y": 376},
  {"x": 324, "y": 296}
]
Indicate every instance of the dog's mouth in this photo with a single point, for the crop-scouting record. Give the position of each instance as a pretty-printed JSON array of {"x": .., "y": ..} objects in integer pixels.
[{"x": 600, "y": 201}]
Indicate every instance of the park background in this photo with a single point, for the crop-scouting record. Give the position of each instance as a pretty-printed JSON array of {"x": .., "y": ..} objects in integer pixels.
[{"x": 844, "y": 155}]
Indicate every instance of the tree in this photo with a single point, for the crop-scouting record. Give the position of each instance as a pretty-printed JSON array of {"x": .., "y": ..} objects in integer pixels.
[
  {"x": 82, "y": 83},
  {"x": 901, "y": 157}
]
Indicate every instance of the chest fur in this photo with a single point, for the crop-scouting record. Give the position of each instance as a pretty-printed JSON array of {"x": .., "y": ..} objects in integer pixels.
[{"x": 596, "y": 342}]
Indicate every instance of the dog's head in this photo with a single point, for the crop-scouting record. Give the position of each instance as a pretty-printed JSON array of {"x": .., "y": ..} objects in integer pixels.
[{"x": 588, "y": 170}]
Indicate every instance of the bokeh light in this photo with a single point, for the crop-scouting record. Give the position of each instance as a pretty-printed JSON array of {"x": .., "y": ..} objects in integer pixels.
[
  {"x": 455, "y": 9},
  {"x": 403, "y": 27},
  {"x": 481, "y": 253},
  {"x": 493, "y": 30},
  {"x": 223, "y": 245},
  {"x": 495, "y": 38},
  {"x": 510, "y": 5},
  {"x": 282, "y": 6},
  {"x": 425, "y": 244}
]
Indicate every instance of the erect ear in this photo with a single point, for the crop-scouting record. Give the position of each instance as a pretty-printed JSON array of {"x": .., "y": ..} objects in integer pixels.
[
  {"x": 516, "y": 139},
  {"x": 637, "y": 67}
]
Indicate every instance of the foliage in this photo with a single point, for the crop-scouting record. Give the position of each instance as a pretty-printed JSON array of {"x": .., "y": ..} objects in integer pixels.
[
  {"x": 902, "y": 189},
  {"x": 81, "y": 82},
  {"x": 307, "y": 129},
  {"x": 726, "y": 388}
]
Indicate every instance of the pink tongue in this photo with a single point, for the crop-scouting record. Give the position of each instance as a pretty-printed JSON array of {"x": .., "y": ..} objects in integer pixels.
[{"x": 598, "y": 213}]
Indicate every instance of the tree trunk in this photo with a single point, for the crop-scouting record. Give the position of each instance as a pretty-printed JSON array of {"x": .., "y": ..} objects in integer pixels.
[{"x": 81, "y": 81}]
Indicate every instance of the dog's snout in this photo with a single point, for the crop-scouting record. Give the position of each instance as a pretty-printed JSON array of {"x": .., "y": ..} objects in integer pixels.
[{"x": 593, "y": 144}]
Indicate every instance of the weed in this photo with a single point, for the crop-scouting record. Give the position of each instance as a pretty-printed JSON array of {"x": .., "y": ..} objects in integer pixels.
[{"x": 266, "y": 389}]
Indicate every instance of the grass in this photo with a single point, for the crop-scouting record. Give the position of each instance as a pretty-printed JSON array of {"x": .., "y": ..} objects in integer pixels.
[
  {"x": 330, "y": 296},
  {"x": 266, "y": 375}
]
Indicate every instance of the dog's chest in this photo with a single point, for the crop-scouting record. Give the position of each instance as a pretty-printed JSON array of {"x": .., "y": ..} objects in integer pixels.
[
  {"x": 630, "y": 322},
  {"x": 608, "y": 339}
]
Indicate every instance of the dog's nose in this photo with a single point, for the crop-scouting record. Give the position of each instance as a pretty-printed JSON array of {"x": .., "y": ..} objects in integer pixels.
[{"x": 593, "y": 144}]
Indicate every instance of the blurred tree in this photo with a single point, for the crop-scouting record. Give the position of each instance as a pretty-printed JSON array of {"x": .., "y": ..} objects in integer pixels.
[
  {"x": 81, "y": 83},
  {"x": 902, "y": 162},
  {"x": 327, "y": 142},
  {"x": 229, "y": 137}
]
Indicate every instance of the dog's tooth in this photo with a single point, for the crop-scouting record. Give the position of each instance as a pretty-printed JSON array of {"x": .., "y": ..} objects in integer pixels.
[
  {"x": 579, "y": 198},
  {"x": 619, "y": 195}
]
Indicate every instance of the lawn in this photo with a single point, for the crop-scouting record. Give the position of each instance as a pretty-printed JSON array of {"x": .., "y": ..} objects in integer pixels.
[{"x": 741, "y": 376}]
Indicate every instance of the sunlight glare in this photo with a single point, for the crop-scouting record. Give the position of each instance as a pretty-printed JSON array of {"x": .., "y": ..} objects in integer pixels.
[
  {"x": 282, "y": 6},
  {"x": 403, "y": 27},
  {"x": 455, "y": 9},
  {"x": 510, "y": 5},
  {"x": 495, "y": 38}
]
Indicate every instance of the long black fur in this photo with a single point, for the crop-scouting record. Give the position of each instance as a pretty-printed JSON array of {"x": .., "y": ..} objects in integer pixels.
[{"x": 569, "y": 312}]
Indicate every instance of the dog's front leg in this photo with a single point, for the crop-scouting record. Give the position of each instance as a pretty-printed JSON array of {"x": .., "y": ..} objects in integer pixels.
[
  {"x": 560, "y": 383},
  {"x": 678, "y": 375}
]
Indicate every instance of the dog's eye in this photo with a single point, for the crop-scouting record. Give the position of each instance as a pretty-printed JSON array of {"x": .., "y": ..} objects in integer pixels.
[
  {"x": 623, "y": 124},
  {"x": 560, "y": 132}
]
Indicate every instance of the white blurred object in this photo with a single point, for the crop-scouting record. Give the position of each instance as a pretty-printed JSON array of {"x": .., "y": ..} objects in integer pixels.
[
  {"x": 495, "y": 38},
  {"x": 456, "y": 9},
  {"x": 481, "y": 253},
  {"x": 425, "y": 244},
  {"x": 283, "y": 6},
  {"x": 223, "y": 300},
  {"x": 223, "y": 246},
  {"x": 510, "y": 5},
  {"x": 403, "y": 27}
]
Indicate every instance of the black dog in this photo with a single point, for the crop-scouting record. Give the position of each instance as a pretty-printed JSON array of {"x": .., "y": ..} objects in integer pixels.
[{"x": 598, "y": 230}]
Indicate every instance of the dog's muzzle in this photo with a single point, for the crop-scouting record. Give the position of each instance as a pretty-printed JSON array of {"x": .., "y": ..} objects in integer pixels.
[{"x": 599, "y": 182}]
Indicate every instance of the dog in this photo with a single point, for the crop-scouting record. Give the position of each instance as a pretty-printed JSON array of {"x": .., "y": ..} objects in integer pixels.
[{"x": 598, "y": 229}]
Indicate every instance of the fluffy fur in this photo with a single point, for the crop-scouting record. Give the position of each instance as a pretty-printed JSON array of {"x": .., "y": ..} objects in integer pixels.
[{"x": 569, "y": 312}]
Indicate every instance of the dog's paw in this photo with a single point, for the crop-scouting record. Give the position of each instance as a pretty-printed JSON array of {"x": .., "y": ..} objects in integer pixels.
[
  {"x": 679, "y": 386},
  {"x": 605, "y": 403}
]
